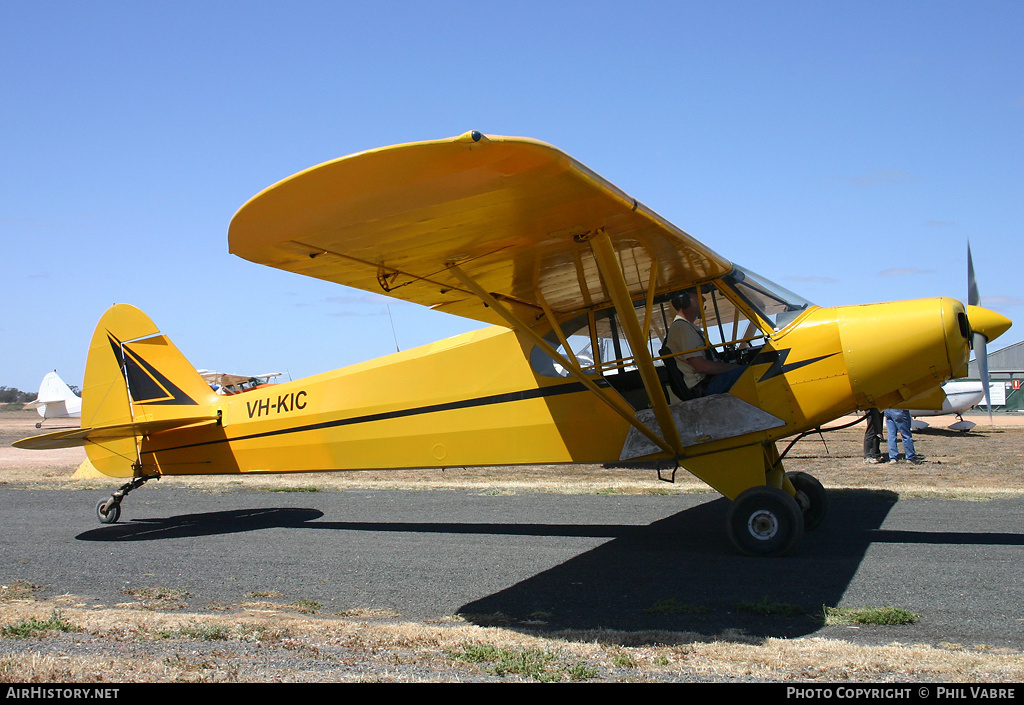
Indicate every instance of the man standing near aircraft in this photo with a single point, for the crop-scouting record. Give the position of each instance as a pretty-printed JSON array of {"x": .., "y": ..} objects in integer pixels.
[
  {"x": 873, "y": 437},
  {"x": 898, "y": 421},
  {"x": 701, "y": 374}
]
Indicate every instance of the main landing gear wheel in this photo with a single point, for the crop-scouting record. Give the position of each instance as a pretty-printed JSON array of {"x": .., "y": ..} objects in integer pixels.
[
  {"x": 810, "y": 497},
  {"x": 108, "y": 511},
  {"x": 765, "y": 521}
]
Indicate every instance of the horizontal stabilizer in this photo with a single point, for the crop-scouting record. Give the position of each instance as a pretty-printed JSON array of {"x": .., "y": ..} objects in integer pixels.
[
  {"x": 51, "y": 400},
  {"x": 81, "y": 436}
]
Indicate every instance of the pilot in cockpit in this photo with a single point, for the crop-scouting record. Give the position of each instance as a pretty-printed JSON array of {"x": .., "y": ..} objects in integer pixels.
[{"x": 701, "y": 374}]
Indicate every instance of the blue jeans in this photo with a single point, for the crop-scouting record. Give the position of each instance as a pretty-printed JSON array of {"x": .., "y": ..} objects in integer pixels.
[
  {"x": 898, "y": 421},
  {"x": 722, "y": 383}
]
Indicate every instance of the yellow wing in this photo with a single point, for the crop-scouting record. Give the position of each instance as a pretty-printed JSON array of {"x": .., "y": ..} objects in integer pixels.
[{"x": 513, "y": 213}]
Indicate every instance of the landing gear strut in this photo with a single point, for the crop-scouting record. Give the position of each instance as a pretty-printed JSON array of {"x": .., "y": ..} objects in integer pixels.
[{"x": 108, "y": 511}]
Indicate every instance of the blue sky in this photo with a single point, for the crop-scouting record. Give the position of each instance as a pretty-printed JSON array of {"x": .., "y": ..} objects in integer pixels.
[{"x": 846, "y": 150}]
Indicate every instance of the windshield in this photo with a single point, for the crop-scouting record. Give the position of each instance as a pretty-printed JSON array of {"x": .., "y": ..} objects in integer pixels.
[{"x": 770, "y": 301}]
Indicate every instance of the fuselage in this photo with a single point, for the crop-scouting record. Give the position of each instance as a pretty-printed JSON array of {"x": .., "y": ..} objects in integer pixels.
[{"x": 482, "y": 399}]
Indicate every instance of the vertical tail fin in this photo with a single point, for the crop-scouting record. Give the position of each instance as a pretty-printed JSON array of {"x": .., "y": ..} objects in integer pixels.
[
  {"x": 53, "y": 388},
  {"x": 135, "y": 374},
  {"x": 55, "y": 399}
]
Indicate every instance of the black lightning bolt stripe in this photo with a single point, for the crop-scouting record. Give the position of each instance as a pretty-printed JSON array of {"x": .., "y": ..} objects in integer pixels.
[{"x": 777, "y": 358}]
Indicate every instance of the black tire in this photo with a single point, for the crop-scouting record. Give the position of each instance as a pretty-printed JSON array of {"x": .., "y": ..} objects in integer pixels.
[
  {"x": 814, "y": 501},
  {"x": 108, "y": 515},
  {"x": 765, "y": 521}
]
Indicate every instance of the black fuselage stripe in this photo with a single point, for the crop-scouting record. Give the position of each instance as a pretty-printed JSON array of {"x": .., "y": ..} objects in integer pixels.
[{"x": 505, "y": 398}]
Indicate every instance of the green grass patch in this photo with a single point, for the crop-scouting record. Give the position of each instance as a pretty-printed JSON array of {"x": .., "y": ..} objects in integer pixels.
[
  {"x": 869, "y": 615},
  {"x": 307, "y": 606},
  {"x": 198, "y": 631},
  {"x": 621, "y": 660},
  {"x": 35, "y": 627},
  {"x": 536, "y": 664}
]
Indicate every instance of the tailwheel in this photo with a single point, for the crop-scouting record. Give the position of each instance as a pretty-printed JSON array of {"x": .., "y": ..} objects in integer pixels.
[
  {"x": 108, "y": 511},
  {"x": 765, "y": 521},
  {"x": 810, "y": 497}
]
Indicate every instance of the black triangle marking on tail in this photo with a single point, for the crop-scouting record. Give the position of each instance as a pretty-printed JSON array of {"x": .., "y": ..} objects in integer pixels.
[{"x": 146, "y": 384}]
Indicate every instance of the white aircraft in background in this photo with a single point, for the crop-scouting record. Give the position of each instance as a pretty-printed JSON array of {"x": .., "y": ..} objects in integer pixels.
[
  {"x": 960, "y": 396},
  {"x": 56, "y": 400},
  {"x": 227, "y": 384}
]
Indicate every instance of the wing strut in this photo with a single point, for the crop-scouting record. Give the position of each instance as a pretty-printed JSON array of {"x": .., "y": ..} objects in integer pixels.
[
  {"x": 611, "y": 273},
  {"x": 623, "y": 410}
]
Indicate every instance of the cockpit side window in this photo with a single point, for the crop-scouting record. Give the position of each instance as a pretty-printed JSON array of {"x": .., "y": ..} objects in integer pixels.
[
  {"x": 598, "y": 343},
  {"x": 740, "y": 311},
  {"x": 577, "y": 334}
]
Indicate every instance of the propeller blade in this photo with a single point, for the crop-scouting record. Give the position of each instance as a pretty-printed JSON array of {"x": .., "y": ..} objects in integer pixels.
[
  {"x": 973, "y": 297},
  {"x": 980, "y": 343}
]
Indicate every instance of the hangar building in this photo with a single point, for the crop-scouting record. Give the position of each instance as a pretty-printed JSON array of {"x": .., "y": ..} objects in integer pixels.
[{"x": 1006, "y": 375}]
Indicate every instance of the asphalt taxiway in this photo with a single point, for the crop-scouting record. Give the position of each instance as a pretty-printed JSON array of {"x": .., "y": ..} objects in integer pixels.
[{"x": 636, "y": 562}]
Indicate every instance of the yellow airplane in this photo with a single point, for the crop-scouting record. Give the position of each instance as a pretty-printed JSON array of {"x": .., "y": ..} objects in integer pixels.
[{"x": 575, "y": 279}]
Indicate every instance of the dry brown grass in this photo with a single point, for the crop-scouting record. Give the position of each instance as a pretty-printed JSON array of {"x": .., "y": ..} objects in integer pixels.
[{"x": 263, "y": 642}]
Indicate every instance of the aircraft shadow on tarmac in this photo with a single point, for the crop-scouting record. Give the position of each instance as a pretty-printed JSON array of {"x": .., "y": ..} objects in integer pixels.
[
  {"x": 208, "y": 524},
  {"x": 678, "y": 574},
  {"x": 682, "y": 574}
]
